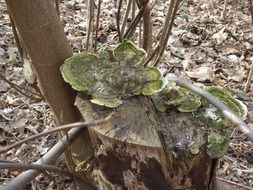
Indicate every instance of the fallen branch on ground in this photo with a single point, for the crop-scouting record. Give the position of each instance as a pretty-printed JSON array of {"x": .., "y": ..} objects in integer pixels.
[
  {"x": 80, "y": 124},
  {"x": 49, "y": 158},
  {"x": 39, "y": 167},
  {"x": 18, "y": 88}
]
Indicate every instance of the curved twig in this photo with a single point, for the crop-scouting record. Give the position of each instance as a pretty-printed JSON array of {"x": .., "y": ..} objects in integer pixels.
[
  {"x": 129, "y": 5},
  {"x": 97, "y": 24},
  {"x": 248, "y": 82},
  {"x": 90, "y": 20},
  {"x": 216, "y": 103},
  {"x": 49, "y": 158},
  {"x": 236, "y": 184},
  {"x": 39, "y": 167},
  {"x": 80, "y": 124},
  {"x": 17, "y": 88},
  {"x": 134, "y": 23},
  {"x": 118, "y": 20}
]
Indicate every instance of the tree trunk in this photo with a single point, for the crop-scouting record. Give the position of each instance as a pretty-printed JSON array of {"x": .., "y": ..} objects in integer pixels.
[
  {"x": 147, "y": 24},
  {"x": 129, "y": 154},
  {"x": 44, "y": 38},
  {"x": 128, "y": 151}
]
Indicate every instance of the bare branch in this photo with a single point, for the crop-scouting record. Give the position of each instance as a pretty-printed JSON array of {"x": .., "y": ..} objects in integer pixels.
[
  {"x": 39, "y": 167},
  {"x": 97, "y": 24},
  {"x": 16, "y": 37},
  {"x": 219, "y": 105},
  {"x": 248, "y": 82},
  {"x": 118, "y": 20},
  {"x": 147, "y": 27},
  {"x": 224, "y": 9},
  {"x": 134, "y": 23},
  {"x": 49, "y": 158},
  {"x": 129, "y": 6},
  {"x": 133, "y": 9},
  {"x": 90, "y": 20},
  {"x": 59, "y": 128},
  {"x": 17, "y": 88}
]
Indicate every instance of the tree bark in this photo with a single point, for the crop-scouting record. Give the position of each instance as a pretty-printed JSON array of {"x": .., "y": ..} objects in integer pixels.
[
  {"x": 44, "y": 38},
  {"x": 130, "y": 155},
  {"x": 147, "y": 24}
]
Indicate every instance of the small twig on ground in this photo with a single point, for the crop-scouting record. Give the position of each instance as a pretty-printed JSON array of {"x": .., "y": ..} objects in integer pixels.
[
  {"x": 17, "y": 88},
  {"x": 40, "y": 167},
  {"x": 219, "y": 105},
  {"x": 234, "y": 183},
  {"x": 249, "y": 78},
  {"x": 80, "y": 124},
  {"x": 97, "y": 24},
  {"x": 248, "y": 82},
  {"x": 118, "y": 20},
  {"x": 18, "y": 42},
  {"x": 90, "y": 20},
  {"x": 224, "y": 9}
]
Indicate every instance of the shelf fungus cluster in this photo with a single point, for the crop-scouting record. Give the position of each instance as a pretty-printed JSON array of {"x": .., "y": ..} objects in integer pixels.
[
  {"x": 110, "y": 76},
  {"x": 184, "y": 100}
]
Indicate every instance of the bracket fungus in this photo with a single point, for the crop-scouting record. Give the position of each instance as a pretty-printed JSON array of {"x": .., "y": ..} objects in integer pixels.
[
  {"x": 109, "y": 79},
  {"x": 185, "y": 100}
]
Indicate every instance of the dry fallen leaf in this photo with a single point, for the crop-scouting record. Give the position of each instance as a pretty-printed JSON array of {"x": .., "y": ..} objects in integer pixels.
[
  {"x": 203, "y": 73},
  {"x": 238, "y": 75},
  {"x": 220, "y": 36}
]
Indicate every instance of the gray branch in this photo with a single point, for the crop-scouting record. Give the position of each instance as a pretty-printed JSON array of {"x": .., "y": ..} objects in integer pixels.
[
  {"x": 216, "y": 103},
  {"x": 49, "y": 158}
]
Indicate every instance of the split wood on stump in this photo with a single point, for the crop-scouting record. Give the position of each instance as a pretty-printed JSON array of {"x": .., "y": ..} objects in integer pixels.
[{"x": 128, "y": 153}]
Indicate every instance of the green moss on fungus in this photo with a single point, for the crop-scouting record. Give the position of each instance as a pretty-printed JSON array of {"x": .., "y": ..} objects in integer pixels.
[
  {"x": 226, "y": 97},
  {"x": 128, "y": 51},
  {"x": 108, "y": 82},
  {"x": 185, "y": 100},
  {"x": 217, "y": 144},
  {"x": 181, "y": 98}
]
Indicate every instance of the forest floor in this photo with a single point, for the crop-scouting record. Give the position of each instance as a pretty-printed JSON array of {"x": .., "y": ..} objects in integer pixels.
[{"x": 204, "y": 47}]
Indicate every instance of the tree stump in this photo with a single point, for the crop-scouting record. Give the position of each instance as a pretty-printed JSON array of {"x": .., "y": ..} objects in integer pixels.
[{"x": 129, "y": 150}]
